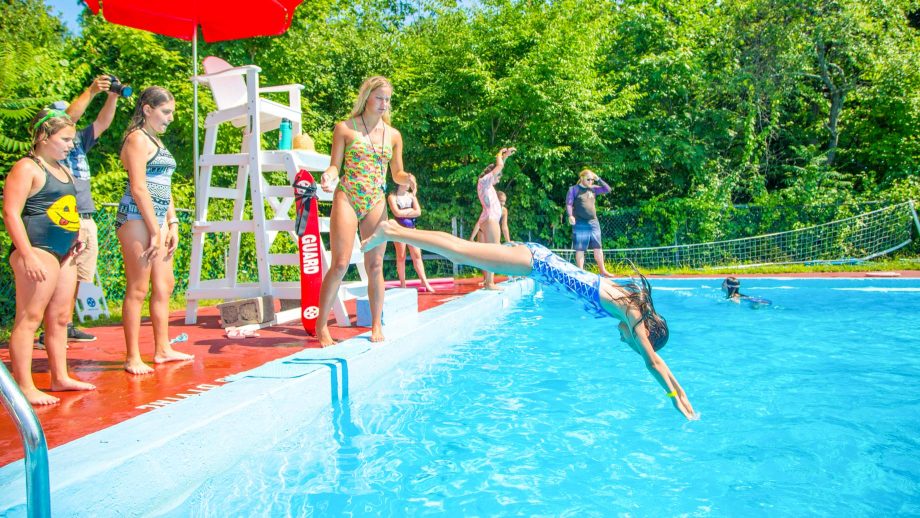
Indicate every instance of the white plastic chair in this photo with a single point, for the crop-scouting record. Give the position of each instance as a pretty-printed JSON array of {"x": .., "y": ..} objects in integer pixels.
[{"x": 233, "y": 87}]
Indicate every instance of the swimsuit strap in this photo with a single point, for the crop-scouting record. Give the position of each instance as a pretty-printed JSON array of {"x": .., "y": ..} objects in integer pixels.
[
  {"x": 41, "y": 164},
  {"x": 155, "y": 142}
]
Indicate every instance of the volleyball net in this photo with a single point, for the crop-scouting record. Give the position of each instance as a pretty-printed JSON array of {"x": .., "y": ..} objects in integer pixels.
[{"x": 849, "y": 240}]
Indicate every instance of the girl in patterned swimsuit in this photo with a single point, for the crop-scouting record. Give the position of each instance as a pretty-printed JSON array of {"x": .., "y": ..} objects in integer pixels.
[
  {"x": 630, "y": 302},
  {"x": 40, "y": 214},
  {"x": 148, "y": 229},
  {"x": 364, "y": 146}
]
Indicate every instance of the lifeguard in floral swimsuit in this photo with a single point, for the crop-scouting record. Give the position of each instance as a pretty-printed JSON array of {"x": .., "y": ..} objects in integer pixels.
[
  {"x": 364, "y": 146},
  {"x": 364, "y": 167}
]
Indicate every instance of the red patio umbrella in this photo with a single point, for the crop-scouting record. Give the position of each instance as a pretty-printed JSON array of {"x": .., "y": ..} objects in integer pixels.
[{"x": 219, "y": 20}]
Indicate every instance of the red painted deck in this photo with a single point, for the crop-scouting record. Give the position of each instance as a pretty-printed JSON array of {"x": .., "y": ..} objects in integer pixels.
[{"x": 120, "y": 396}]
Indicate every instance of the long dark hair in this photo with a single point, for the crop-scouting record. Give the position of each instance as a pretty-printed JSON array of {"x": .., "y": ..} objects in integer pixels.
[
  {"x": 639, "y": 294},
  {"x": 153, "y": 96}
]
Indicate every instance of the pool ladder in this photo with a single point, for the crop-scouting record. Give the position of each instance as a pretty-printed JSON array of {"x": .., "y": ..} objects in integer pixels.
[{"x": 38, "y": 487}]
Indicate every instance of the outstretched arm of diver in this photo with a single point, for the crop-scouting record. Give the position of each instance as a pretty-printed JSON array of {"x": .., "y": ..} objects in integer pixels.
[{"x": 661, "y": 372}]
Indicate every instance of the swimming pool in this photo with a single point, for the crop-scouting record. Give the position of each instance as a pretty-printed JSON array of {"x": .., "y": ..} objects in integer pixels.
[{"x": 808, "y": 407}]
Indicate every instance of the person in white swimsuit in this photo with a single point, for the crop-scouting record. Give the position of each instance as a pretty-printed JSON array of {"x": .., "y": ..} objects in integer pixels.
[{"x": 490, "y": 218}]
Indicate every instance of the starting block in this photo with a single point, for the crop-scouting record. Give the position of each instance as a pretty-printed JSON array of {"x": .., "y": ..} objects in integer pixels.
[{"x": 397, "y": 303}]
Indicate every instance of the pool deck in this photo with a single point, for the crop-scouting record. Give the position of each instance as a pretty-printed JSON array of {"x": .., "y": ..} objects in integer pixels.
[{"x": 121, "y": 396}]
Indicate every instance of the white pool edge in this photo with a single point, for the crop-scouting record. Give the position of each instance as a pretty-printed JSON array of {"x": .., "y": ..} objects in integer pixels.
[{"x": 125, "y": 471}]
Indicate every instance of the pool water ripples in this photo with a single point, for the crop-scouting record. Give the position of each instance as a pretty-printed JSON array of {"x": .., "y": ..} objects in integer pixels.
[{"x": 808, "y": 407}]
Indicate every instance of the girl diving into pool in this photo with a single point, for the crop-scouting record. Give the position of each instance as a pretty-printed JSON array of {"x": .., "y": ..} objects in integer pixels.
[{"x": 630, "y": 302}]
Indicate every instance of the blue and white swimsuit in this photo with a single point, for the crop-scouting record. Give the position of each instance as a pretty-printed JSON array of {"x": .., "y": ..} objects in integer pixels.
[
  {"x": 551, "y": 270},
  {"x": 160, "y": 169}
]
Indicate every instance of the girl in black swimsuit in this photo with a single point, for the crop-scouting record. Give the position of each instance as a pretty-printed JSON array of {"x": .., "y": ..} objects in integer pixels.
[{"x": 39, "y": 211}]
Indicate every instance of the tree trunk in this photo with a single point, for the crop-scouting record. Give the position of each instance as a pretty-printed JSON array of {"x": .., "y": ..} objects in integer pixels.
[
  {"x": 836, "y": 94},
  {"x": 837, "y": 97}
]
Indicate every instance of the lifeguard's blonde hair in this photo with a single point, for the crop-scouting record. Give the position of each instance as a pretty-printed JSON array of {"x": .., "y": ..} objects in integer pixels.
[
  {"x": 583, "y": 174},
  {"x": 369, "y": 85}
]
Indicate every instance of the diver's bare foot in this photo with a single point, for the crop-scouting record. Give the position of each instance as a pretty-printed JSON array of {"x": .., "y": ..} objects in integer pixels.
[
  {"x": 325, "y": 339},
  {"x": 492, "y": 287},
  {"x": 172, "y": 356},
  {"x": 377, "y": 334},
  {"x": 71, "y": 384},
  {"x": 379, "y": 236},
  {"x": 37, "y": 397},
  {"x": 429, "y": 289},
  {"x": 137, "y": 367}
]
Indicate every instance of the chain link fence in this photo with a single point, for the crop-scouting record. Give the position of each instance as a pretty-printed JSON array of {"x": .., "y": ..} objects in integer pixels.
[{"x": 667, "y": 233}]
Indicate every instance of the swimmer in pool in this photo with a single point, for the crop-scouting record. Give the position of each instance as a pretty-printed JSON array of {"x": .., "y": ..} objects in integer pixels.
[
  {"x": 732, "y": 286},
  {"x": 630, "y": 302}
]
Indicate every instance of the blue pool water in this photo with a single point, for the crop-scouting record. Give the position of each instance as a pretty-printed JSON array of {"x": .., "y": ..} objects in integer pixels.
[{"x": 808, "y": 407}]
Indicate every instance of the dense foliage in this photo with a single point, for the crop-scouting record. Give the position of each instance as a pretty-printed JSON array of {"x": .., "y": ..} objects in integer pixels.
[
  {"x": 685, "y": 108},
  {"x": 750, "y": 101}
]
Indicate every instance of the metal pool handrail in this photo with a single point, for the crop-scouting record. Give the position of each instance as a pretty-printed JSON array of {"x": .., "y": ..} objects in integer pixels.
[{"x": 38, "y": 487}]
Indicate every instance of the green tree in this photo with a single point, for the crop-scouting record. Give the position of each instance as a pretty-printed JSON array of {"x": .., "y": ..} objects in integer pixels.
[{"x": 34, "y": 70}]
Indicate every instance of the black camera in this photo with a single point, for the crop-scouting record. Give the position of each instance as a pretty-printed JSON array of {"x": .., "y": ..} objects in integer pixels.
[{"x": 119, "y": 89}]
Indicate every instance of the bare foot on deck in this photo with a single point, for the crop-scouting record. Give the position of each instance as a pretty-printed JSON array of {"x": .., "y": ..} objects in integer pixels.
[
  {"x": 172, "y": 355},
  {"x": 325, "y": 339},
  {"x": 429, "y": 289},
  {"x": 137, "y": 367},
  {"x": 37, "y": 397},
  {"x": 377, "y": 334},
  {"x": 69, "y": 383},
  {"x": 379, "y": 236},
  {"x": 493, "y": 287}
]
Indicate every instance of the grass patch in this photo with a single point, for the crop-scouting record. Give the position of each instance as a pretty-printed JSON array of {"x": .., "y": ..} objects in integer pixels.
[{"x": 869, "y": 266}]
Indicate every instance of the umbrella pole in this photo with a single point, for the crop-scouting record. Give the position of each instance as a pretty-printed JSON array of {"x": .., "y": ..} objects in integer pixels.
[{"x": 195, "y": 174}]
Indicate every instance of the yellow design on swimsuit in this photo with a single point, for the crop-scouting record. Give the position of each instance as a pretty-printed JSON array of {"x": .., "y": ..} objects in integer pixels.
[
  {"x": 63, "y": 213},
  {"x": 364, "y": 175}
]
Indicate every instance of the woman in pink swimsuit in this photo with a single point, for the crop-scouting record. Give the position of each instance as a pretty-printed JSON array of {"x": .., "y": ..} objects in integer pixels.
[
  {"x": 490, "y": 218},
  {"x": 363, "y": 148}
]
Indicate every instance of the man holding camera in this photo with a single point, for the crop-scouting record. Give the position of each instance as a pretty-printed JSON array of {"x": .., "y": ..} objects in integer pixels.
[{"x": 84, "y": 140}]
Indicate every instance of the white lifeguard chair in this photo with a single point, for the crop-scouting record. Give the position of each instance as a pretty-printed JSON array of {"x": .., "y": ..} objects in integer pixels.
[{"x": 237, "y": 96}]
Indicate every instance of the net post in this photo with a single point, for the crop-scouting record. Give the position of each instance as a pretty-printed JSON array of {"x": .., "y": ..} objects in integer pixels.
[{"x": 913, "y": 211}]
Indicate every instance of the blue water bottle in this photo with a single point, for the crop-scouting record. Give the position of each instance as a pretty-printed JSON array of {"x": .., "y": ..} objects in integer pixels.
[{"x": 284, "y": 140}]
